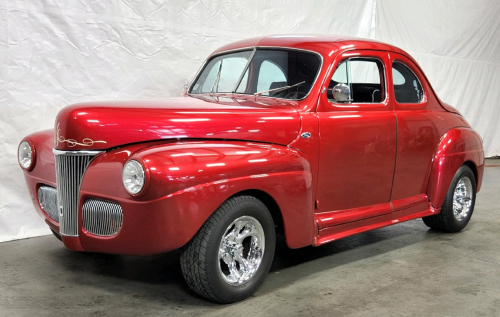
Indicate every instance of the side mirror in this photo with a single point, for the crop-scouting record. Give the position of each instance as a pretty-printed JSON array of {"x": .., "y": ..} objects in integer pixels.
[{"x": 341, "y": 93}]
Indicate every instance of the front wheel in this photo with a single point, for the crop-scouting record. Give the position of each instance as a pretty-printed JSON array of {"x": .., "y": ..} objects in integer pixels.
[
  {"x": 230, "y": 256},
  {"x": 458, "y": 205}
]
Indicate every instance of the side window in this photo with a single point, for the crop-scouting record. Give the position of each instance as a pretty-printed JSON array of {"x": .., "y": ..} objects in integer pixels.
[
  {"x": 270, "y": 76},
  {"x": 407, "y": 87},
  {"x": 363, "y": 77}
]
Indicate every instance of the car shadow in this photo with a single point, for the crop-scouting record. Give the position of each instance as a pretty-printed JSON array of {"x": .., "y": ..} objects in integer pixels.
[{"x": 159, "y": 277}]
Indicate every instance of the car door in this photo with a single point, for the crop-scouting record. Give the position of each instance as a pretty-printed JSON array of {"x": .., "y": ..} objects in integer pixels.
[
  {"x": 357, "y": 141},
  {"x": 418, "y": 133}
]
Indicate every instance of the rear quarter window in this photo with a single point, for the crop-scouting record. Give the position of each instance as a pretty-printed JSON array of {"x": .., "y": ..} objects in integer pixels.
[{"x": 407, "y": 87}]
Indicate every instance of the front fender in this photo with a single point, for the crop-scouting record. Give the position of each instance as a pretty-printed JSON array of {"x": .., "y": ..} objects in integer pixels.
[
  {"x": 187, "y": 181},
  {"x": 214, "y": 171},
  {"x": 457, "y": 146}
]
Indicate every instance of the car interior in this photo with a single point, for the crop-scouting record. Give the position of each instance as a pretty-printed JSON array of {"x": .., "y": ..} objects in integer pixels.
[
  {"x": 360, "y": 92},
  {"x": 407, "y": 88}
]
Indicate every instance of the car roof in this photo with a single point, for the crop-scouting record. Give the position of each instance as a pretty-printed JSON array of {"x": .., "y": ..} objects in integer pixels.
[{"x": 323, "y": 44}]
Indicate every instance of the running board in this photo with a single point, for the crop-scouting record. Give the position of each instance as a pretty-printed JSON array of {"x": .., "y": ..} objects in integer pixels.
[{"x": 341, "y": 231}]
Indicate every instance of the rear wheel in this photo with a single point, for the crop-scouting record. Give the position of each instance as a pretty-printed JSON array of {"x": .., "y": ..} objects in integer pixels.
[
  {"x": 458, "y": 205},
  {"x": 230, "y": 256}
]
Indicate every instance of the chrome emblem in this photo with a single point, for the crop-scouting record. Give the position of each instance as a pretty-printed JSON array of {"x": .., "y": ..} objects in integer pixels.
[
  {"x": 72, "y": 143},
  {"x": 305, "y": 135}
]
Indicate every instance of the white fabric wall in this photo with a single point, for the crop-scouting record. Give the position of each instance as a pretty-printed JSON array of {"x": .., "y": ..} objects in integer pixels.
[{"x": 57, "y": 52}]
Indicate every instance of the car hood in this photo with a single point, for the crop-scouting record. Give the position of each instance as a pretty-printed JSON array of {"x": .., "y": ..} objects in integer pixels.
[{"x": 104, "y": 125}]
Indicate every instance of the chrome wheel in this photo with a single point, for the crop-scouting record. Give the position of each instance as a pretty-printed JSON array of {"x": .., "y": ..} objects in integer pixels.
[
  {"x": 225, "y": 261},
  {"x": 462, "y": 198},
  {"x": 241, "y": 250},
  {"x": 458, "y": 205}
]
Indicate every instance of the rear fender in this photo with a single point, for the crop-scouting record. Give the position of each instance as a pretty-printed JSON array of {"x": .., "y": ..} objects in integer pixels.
[{"x": 457, "y": 146}]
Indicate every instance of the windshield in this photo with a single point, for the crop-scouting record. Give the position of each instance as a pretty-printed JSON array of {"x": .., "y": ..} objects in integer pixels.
[{"x": 278, "y": 73}]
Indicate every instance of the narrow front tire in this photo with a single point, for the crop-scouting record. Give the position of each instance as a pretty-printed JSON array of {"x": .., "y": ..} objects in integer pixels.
[{"x": 230, "y": 256}]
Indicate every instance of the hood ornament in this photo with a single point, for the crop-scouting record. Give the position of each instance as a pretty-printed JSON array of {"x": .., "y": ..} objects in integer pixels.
[{"x": 71, "y": 142}]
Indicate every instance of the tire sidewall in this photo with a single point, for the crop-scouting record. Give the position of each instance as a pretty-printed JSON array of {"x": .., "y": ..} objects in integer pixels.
[
  {"x": 463, "y": 171},
  {"x": 259, "y": 211}
]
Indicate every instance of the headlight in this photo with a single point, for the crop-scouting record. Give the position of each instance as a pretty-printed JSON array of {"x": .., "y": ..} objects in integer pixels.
[
  {"x": 25, "y": 155},
  {"x": 133, "y": 177}
]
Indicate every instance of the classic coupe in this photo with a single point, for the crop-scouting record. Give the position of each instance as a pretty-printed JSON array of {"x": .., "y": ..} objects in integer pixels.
[{"x": 312, "y": 137}]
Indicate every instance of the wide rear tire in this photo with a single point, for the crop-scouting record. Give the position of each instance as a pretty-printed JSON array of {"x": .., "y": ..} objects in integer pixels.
[{"x": 458, "y": 205}]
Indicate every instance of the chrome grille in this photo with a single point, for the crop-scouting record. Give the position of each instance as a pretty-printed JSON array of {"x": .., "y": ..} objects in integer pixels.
[
  {"x": 70, "y": 168},
  {"x": 101, "y": 217},
  {"x": 47, "y": 197}
]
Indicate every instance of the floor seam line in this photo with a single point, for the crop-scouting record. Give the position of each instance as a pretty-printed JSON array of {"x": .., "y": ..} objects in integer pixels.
[
  {"x": 495, "y": 263},
  {"x": 30, "y": 298},
  {"x": 365, "y": 295},
  {"x": 36, "y": 302}
]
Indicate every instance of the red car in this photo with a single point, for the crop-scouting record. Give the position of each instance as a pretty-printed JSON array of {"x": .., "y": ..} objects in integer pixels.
[{"x": 313, "y": 137}]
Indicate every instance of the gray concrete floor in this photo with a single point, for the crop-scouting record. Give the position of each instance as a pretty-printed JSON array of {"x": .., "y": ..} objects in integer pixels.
[{"x": 402, "y": 270}]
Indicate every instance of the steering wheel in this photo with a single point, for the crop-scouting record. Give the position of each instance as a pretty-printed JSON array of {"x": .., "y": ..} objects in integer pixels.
[{"x": 295, "y": 95}]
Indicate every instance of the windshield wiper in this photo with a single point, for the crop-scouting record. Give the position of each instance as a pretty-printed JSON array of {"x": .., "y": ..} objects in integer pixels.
[
  {"x": 217, "y": 79},
  {"x": 277, "y": 89},
  {"x": 244, "y": 70}
]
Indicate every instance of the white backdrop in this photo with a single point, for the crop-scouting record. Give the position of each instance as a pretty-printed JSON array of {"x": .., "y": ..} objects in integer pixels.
[{"x": 57, "y": 52}]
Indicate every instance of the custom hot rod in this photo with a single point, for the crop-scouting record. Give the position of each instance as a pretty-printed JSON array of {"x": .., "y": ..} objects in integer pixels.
[{"x": 313, "y": 137}]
